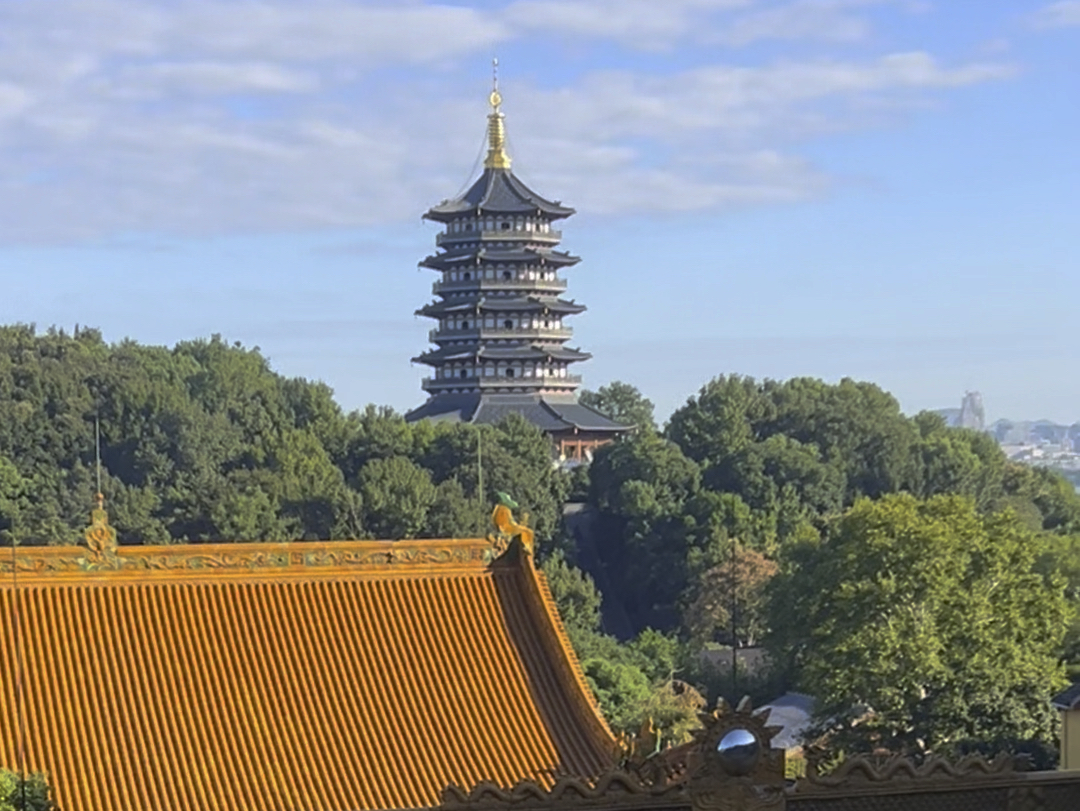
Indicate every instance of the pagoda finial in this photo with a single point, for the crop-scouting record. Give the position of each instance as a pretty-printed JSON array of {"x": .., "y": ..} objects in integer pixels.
[{"x": 496, "y": 156}]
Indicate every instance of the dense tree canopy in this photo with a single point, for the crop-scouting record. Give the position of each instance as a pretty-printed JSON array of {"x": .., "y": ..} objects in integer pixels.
[
  {"x": 926, "y": 624},
  {"x": 623, "y": 403},
  {"x": 203, "y": 442}
]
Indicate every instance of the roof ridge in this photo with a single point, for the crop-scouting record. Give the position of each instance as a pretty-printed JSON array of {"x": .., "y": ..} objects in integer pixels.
[
  {"x": 414, "y": 556},
  {"x": 562, "y": 653}
]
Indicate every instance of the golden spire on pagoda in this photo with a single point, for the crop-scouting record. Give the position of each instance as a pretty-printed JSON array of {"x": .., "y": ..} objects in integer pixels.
[{"x": 496, "y": 129}]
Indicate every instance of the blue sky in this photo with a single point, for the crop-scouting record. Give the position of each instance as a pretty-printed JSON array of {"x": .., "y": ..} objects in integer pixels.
[{"x": 882, "y": 190}]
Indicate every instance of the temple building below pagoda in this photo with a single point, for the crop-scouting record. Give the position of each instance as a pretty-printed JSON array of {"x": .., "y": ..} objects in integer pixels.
[{"x": 501, "y": 329}]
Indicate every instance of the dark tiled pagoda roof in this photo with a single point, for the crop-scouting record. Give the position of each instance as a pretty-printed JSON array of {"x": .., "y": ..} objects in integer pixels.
[
  {"x": 497, "y": 352},
  {"x": 550, "y": 413},
  {"x": 498, "y": 191},
  {"x": 500, "y": 304},
  {"x": 460, "y": 257}
]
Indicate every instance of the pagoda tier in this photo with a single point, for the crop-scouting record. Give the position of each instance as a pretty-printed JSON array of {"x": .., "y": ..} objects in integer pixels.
[
  {"x": 486, "y": 351},
  {"x": 501, "y": 329},
  {"x": 535, "y": 306},
  {"x": 514, "y": 260}
]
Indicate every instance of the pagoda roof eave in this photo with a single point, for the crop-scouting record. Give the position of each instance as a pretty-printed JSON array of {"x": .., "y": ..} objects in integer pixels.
[
  {"x": 520, "y": 352},
  {"x": 436, "y": 309},
  {"x": 451, "y": 260},
  {"x": 498, "y": 191}
]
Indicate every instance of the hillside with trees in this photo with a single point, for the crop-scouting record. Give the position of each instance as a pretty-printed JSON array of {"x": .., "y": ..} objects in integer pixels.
[{"x": 905, "y": 573}]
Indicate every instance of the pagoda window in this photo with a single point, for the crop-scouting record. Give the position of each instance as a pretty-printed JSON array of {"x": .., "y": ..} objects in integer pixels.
[
  {"x": 509, "y": 372},
  {"x": 468, "y": 226},
  {"x": 508, "y": 324},
  {"x": 463, "y": 373},
  {"x": 507, "y": 275},
  {"x": 467, "y": 276},
  {"x": 464, "y": 324},
  {"x": 505, "y": 226}
]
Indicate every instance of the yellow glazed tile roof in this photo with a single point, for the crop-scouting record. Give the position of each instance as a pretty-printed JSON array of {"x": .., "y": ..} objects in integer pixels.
[{"x": 344, "y": 675}]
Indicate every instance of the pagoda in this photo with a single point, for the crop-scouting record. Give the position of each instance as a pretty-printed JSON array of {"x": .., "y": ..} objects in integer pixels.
[{"x": 501, "y": 321}]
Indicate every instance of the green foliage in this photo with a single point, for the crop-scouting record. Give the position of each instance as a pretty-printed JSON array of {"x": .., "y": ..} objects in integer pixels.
[
  {"x": 575, "y": 594},
  {"x": 631, "y": 682},
  {"x": 830, "y": 443},
  {"x": 928, "y": 626},
  {"x": 623, "y": 403},
  {"x": 642, "y": 487},
  {"x": 397, "y": 494},
  {"x": 205, "y": 442},
  {"x": 31, "y": 794},
  {"x": 727, "y": 603}
]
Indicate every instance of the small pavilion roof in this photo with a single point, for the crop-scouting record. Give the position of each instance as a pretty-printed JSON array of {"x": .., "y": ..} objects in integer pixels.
[
  {"x": 498, "y": 191},
  {"x": 463, "y": 257},
  {"x": 500, "y": 304},
  {"x": 1068, "y": 699},
  {"x": 332, "y": 676}
]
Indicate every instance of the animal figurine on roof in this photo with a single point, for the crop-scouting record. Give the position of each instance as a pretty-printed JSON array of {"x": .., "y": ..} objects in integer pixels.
[{"x": 508, "y": 529}]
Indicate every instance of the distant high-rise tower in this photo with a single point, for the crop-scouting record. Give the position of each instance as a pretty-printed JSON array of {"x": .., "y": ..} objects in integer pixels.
[
  {"x": 972, "y": 414},
  {"x": 500, "y": 328}
]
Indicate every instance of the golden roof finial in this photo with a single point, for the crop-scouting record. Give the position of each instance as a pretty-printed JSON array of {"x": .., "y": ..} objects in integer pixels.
[
  {"x": 496, "y": 156},
  {"x": 100, "y": 536}
]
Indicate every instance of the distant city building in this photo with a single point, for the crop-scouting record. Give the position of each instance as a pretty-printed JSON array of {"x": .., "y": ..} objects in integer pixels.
[
  {"x": 501, "y": 330},
  {"x": 972, "y": 413}
]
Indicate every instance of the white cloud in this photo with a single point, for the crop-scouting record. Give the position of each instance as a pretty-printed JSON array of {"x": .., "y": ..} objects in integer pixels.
[
  {"x": 213, "y": 78},
  {"x": 739, "y": 102},
  {"x": 1059, "y": 15},
  {"x": 803, "y": 19},
  {"x": 119, "y": 116},
  {"x": 648, "y": 24}
]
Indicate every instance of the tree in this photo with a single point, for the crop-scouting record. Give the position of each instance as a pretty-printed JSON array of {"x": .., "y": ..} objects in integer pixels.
[
  {"x": 928, "y": 626},
  {"x": 736, "y": 585},
  {"x": 641, "y": 487},
  {"x": 30, "y": 794},
  {"x": 959, "y": 461},
  {"x": 13, "y": 499},
  {"x": 516, "y": 458},
  {"x": 397, "y": 496},
  {"x": 854, "y": 432},
  {"x": 720, "y": 420},
  {"x": 575, "y": 594},
  {"x": 623, "y": 403}
]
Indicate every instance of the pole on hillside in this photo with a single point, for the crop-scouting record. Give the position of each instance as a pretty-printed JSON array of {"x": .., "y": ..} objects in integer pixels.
[
  {"x": 734, "y": 640},
  {"x": 480, "y": 475}
]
